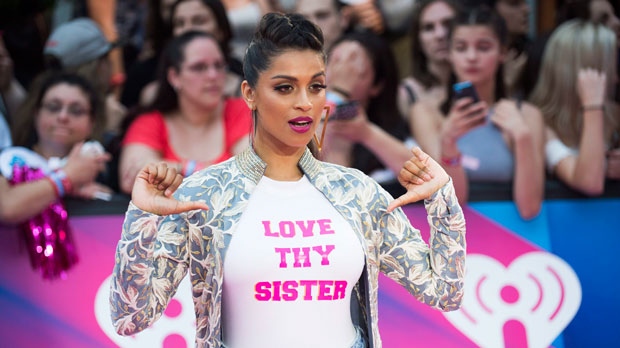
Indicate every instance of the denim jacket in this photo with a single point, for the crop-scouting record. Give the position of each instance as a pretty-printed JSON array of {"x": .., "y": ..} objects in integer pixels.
[{"x": 156, "y": 252}]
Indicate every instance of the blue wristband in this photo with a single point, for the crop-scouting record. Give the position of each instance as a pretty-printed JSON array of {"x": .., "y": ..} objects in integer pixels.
[
  {"x": 57, "y": 178},
  {"x": 190, "y": 166}
]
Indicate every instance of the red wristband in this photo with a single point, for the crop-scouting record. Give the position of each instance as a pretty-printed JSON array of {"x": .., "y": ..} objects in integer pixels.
[
  {"x": 61, "y": 182},
  {"x": 451, "y": 161},
  {"x": 56, "y": 192},
  {"x": 117, "y": 79}
]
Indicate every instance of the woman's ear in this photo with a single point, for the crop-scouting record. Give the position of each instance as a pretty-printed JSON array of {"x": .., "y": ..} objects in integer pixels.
[
  {"x": 173, "y": 79},
  {"x": 248, "y": 94},
  {"x": 375, "y": 90}
]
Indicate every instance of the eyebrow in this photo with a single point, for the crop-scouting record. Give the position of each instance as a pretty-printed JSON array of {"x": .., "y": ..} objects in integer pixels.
[{"x": 291, "y": 78}]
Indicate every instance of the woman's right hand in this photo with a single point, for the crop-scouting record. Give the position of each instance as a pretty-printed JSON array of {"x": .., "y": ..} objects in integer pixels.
[
  {"x": 464, "y": 116},
  {"x": 82, "y": 168},
  {"x": 153, "y": 189}
]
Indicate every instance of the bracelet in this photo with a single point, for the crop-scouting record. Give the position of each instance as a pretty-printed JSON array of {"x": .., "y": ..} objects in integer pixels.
[
  {"x": 62, "y": 184},
  {"x": 451, "y": 161},
  {"x": 189, "y": 167},
  {"x": 592, "y": 107},
  {"x": 118, "y": 79}
]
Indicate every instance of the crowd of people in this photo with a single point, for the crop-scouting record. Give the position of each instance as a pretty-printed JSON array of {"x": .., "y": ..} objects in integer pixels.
[
  {"x": 128, "y": 98},
  {"x": 547, "y": 107}
]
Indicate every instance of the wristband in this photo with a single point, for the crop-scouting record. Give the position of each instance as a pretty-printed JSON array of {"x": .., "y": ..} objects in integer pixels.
[
  {"x": 189, "y": 167},
  {"x": 592, "y": 107},
  {"x": 117, "y": 79},
  {"x": 62, "y": 184},
  {"x": 454, "y": 161}
]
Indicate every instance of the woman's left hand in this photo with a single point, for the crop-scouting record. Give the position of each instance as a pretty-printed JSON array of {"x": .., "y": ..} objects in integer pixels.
[
  {"x": 509, "y": 119},
  {"x": 421, "y": 176}
]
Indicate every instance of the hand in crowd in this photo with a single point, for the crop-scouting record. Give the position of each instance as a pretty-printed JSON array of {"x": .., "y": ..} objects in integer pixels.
[
  {"x": 345, "y": 68},
  {"x": 591, "y": 85},
  {"x": 82, "y": 170},
  {"x": 367, "y": 15},
  {"x": 509, "y": 119},
  {"x": 421, "y": 176},
  {"x": 463, "y": 117},
  {"x": 153, "y": 189}
]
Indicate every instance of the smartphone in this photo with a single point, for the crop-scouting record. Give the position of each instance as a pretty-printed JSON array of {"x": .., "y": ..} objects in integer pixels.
[
  {"x": 465, "y": 89},
  {"x": 344, "y": 111}
]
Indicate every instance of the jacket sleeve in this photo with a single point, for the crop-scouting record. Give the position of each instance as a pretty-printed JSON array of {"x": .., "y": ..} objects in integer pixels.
[
  {"x": 432, "y": 272},
  {"x": 151, "y": 260}
]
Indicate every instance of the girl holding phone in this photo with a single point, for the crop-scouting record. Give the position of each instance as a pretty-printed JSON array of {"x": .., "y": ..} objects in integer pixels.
[{"x": 494, "y": 139}]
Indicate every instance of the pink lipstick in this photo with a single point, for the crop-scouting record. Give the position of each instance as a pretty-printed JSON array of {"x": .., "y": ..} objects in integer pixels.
[{"x": 301, "y": 124}]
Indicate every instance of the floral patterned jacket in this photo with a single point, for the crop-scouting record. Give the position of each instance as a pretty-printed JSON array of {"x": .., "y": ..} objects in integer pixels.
[{"x": 155, "y": 252}]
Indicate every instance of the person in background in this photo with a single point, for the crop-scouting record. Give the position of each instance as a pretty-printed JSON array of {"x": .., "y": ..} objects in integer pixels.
[
  {"x": 328, "y": 15},
  {"x": 191, "y": 124},
  {"x": 222, "y": 224},
  {"x": 79, "y": 46},
  {"x": 366, "y": 15},
  {"x": 157, "y": 33},
  {"x": 23, "y": 30},
  {"x": 597, "y": 11},
  {"x": 495, "y": 139},
  {"x": 244, "y": 16},
  {"x": 55, "y": 120},
  {"x": 208, "y": 16},
  {"x": 12, "y": 94},
  {"x": 576, "y": 99},
  {"x": 601, "y": 11},
  {"x": 430, "y": 66},
  {"x": 516, "y": 15},
  {"x": 364, "y": 130}
]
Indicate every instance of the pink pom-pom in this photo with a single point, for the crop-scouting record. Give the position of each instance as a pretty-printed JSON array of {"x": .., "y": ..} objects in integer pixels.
[{"x": 48, "y": 235}]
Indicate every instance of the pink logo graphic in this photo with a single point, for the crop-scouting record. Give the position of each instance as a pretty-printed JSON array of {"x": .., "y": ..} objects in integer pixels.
[
  {"x": 531, "y": 301},
  {"x": 175, "y": 329}
]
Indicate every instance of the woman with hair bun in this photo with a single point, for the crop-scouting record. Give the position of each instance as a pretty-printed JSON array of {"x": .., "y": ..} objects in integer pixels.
[{"x": 273, "y": 239}]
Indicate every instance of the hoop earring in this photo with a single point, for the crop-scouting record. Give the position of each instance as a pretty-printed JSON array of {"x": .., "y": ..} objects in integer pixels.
[{"x": 319, "y": 143}]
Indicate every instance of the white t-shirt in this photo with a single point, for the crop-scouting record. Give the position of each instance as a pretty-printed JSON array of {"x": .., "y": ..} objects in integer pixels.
[{"x": 289, "y": 271}]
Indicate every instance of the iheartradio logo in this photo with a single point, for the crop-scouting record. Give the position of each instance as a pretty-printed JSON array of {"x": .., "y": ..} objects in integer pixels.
[
  {"x": 527, "y": 304},
  {"x": 175, "y": 329}
]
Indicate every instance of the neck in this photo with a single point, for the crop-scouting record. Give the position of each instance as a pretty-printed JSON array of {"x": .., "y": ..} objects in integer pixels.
[
  {"x": 486, "y": 91},
  {"x": 197, "y": 116},
  {"x": 49, "y": 150},
  {"x": 440, "y": 69},
  {"x": 282, "y": 164}
]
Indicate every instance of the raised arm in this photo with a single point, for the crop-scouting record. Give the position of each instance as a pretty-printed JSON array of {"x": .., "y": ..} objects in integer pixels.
[
  {"x": 525, "y": 130},
  {"x": 432, "y": 272},
  {"x": 151, "y": 257},
  {"x": 585, "y": 171}
]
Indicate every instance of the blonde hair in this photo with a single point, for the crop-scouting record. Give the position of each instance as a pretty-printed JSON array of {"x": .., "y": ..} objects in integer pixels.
[{"x": 575, "y": 45}]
